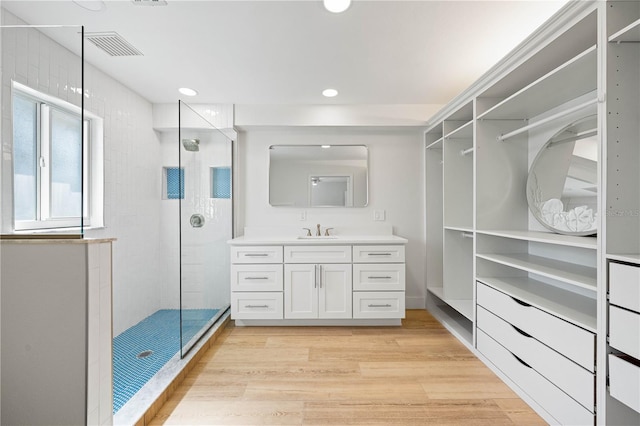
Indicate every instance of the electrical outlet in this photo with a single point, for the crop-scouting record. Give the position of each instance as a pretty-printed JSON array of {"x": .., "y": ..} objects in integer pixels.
[{"x": 379, "y": 215}]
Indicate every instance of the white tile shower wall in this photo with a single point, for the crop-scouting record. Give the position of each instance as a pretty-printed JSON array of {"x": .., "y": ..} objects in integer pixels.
[
  {"x": 204, "y": 250},
  {"x": 395, "y": 186},
  {"x": 132, "y": 155}
]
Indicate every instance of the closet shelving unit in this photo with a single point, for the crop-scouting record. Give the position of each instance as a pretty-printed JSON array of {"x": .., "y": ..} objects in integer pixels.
[
  {"x": 451, "y": 225},
  {"x": 567, "y": 70},
  {"x": 621, "y": 262}
]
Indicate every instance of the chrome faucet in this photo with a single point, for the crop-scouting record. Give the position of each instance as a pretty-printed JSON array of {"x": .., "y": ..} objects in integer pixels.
[
  {"x": 318, "y": 233},
  {"x": 308, "y": 231},
  {"x": 326, "y": 232}
]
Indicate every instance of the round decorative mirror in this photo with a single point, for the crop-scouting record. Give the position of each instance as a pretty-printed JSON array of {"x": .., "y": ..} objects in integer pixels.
[{"x": 562, "y": 188}]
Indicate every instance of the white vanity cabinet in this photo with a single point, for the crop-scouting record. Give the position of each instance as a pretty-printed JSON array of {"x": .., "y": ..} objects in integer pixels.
[
  {"x": 256, "y": 282},
  {"x": 378, "y": 281},
  {"x": 330, "y": 282}
]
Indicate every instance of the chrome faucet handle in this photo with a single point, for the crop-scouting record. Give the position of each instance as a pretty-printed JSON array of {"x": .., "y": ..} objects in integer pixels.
[
  {"x": 308, "y": 231},
  {"x": 319, "y": 233},
  {"x": 326, "y": 232}
]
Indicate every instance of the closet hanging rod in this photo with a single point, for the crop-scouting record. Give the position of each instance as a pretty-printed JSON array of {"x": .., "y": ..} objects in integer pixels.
[
  {"x": 464, "y": 152},
  {"x": 546, "y": 120},
  {"x": 466, "y": 235}
]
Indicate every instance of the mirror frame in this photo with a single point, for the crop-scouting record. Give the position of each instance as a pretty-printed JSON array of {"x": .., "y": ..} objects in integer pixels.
[{"x": 308, "y": 205}]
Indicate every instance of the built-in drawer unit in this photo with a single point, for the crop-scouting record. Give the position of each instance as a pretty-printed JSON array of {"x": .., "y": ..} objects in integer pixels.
[
  {"x": 256, "y": 305},
  {"x": 557, "y": 403},
  {"x": 378, "y": 277},
  {"x": 572, "y": 341},
  {"x": 256, "y": 254},
  {"x": 378, "y": 304},
  {"x": 624, "y": 380},
  {"x": 624, "y": 331},
  {"x": 260, "y": 277},
  {"x": 378, "y": 254},
  {"x": 624, "y": 286},
  {"x": 317, "y": 254},
  {"x": 576, "y": 381}
]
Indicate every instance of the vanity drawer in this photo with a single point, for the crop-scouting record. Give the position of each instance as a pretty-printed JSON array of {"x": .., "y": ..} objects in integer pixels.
[
  {"x": 624, "y": 286},
  {"x": 570, "y": 340},
  {"x": 378, "y": 304},
  {"x": 375, "y": 277},
  {"x": 378, "y": 254},
  {"x": 624, "y": 331},
  {"x": 624, "y": 380},
  {"x": 557, "y": 403},
  {"x": 256, "y": 305},
  {"x": 256, "y": 254},
  {"x": 317, "y": 254},
  {"x": 266, "y": 277},
  {"x": 564, "y": 373}
]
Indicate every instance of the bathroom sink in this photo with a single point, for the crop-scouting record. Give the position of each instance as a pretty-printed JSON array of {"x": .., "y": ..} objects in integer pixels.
[{"x": 321, "y": 237}]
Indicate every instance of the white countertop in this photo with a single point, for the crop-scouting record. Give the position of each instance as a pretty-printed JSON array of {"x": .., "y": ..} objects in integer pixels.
[
  {"x": 379, "y": 234},
  {"x": 335, "y": 240}
]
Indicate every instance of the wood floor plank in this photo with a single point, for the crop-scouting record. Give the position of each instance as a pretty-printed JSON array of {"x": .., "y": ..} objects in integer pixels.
[{"x": 416, "y": 374}]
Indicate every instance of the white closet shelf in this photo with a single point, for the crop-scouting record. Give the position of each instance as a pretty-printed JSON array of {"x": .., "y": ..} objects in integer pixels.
[
  {"x": 545, "y": 237},
  {"x": 459, "y": 228},
  {"x": 569, "y": 81},
  {"x": 575, "y": 308},
  {"x": 463, "y": 132},
  {"x": 435, "y": 144},
  {"x": 629, "y": 34},
  {"x": 625, "y": 257},
  {"x": 570, "y": 273},
  {"x": 438, "y": 291},
  {"x": 463, "y": 306}
]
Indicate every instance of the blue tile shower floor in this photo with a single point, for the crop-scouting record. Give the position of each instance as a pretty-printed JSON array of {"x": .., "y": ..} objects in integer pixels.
[{"x": 159, "y": 333}]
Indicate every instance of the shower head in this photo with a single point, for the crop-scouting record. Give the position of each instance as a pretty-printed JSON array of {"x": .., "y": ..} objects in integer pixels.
[{"x": 191, "y": 144}]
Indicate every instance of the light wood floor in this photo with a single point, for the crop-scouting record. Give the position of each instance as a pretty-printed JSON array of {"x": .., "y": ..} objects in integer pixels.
[{"x": 417, "y": 374}]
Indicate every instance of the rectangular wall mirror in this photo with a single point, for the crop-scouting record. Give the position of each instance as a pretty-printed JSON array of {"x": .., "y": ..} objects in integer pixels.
[{"x": 318, "y": 175}]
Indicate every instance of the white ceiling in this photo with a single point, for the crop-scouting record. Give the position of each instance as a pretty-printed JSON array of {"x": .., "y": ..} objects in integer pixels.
[{"x": 287, "y": 52}]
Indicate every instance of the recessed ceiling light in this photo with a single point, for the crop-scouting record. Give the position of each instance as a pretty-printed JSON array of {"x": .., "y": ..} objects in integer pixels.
[
  {"x": 330, "y": 93},
  {"x": 187, "y": 92},
  {"x": 336, "y": 6}
]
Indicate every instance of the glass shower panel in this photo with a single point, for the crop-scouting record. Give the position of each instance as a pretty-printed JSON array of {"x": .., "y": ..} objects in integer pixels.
[
  {"x": 205, "y": 224},
  {"x": 44, "y": 179}
]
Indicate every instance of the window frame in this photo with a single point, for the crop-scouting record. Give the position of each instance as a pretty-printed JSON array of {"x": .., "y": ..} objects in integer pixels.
[{"x": 92, "y": 161}]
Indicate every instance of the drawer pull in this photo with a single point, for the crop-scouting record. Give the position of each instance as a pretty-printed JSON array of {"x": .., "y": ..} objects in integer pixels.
[
  {"x": 256, "y": 278},
  {"x": 380, "y": 278},
  {"x": 256, "y": 306},
  {"x": 386, "y": 305},
  {"x": 256, "y": 254},
  {"x": 521, "y": 361},
  {"x": 520, "y": 302},
  {"x": 378, "y": 254},
  {"x": 525, "y": 334}
]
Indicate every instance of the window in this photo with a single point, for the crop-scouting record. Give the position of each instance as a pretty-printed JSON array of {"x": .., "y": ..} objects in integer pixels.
[{"x": 55, "y": 157}]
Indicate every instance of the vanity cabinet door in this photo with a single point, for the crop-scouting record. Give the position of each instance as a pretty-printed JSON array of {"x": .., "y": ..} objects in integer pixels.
[
  {"x": 300, "y": 291},
  {"x": 334, "y": 288},
  {"x": 317, "y": 291}
]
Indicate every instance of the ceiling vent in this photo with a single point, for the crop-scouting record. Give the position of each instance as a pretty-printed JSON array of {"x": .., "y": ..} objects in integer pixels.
[
  {"x": 113, "y": 44},
  {"x": 150, "y": 2}
]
